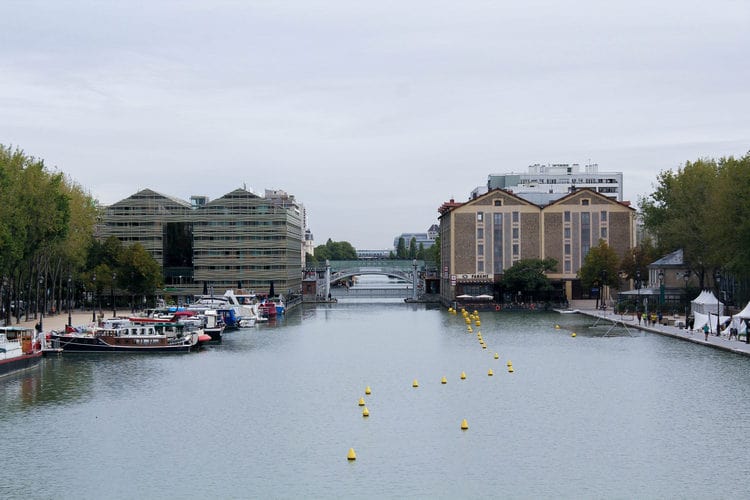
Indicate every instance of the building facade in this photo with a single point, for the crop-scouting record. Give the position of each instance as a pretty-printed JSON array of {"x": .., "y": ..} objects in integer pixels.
[
  {"x": 558, "y": 178},
  {"x": 238, "y": 239},
  {"x": 483, "y": 237}
]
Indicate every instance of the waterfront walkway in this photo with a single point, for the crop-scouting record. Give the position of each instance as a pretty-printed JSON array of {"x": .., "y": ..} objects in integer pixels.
[{"x": 695, "y": 336}]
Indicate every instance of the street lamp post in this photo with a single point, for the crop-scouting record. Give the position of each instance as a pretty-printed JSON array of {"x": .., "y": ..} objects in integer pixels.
[
  {"x": 93, "y": 299},
  {"x": 112, "y": 291},
  {"x": 718, "y": 302},
  {"x": 5, "y": 306},
  {"x": 41, "y": 314},
  {"x": 638, "y": 290},
  {"x": 661, "y": 287},
  {"x": 686, "y": 277},
  {"x": 70, "y": 281}
]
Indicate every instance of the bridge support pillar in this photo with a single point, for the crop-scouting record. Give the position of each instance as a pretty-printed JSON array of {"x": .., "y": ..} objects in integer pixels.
[
  {"x": 328, "y": 280},
  {"x": 414, "y": 278}
]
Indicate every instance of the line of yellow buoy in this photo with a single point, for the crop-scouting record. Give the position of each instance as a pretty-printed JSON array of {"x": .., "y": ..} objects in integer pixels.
[{"x": 469, "y": 319}]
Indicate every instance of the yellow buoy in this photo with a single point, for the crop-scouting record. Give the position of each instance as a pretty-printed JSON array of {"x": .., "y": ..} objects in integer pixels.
[
  {"x": 557, "y": 327},
  {"x": 443, "y": 380},
  {"x": 509, "y": 363},
  {"x": 463, "y": 375},
  {"x": 415, "y": 383},
  {"x": 573, "y": 334},
  {"x": 478, "y": 323},
  {"x": 510, "y": 369},
  {"x": 365, "y": 412},
  {"x": 484, "y": 346},
  {"x": 351, "y": 455},
  {"x": 464, "y": 425},
  {"x": 490, "y": 373},
  {"x": 361, "y": 401},
  {"x": 368, "y": 390},
  {"x": 497, "y": 356}
]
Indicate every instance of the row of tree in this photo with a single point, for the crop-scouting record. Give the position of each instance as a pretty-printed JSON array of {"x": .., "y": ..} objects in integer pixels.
[
  {"x": 47, "y": 240},
  {"x": 701, "y": 208},
  {"x": 343, "y": 250}
]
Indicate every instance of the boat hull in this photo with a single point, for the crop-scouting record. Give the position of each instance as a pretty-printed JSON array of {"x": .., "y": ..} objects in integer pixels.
[
  {"x": 20, "y": 363},
  {"x": 98, "y": 344}
]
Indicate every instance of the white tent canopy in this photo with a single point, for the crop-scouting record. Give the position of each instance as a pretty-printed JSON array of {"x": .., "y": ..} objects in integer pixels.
[
  {"x": 743, "y": 314},
  {"x": 706, "y": 303}
]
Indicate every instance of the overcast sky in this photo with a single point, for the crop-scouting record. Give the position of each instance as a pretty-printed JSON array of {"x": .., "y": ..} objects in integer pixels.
[{"x": 370, "y": 113}]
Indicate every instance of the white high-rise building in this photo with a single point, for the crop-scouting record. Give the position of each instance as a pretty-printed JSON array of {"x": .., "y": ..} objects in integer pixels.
[{"x": 558, "y": 178}]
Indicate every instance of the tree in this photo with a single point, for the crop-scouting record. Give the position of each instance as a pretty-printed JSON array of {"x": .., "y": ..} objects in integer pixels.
[
  {"x": 420, "y": 251},
  {"x": 682, "y": 214},
  {"x": 335, "y": 250},
  {"x": 638, "y": 259},
  {"x": 401, "y": 249},
  {"x": 528, "y": 276},
  {"x": 138, "y": 272},
  {"x": 413, "y": 248},
  {"x": 432, "y": 254},
  {"x": 600, "y": 268}
]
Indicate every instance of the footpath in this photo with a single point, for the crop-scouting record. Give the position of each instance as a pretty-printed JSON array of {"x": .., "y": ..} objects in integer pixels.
[
  {"x": 56, "y": 322},
  {"x": 695, "y": 336}
]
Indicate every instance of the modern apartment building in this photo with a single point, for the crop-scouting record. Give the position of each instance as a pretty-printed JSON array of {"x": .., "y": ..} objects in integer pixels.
[
  {"x": 486, "y": 235},
  {"x": 557, "y": 179},
  {"x": 238, "y": 239}
]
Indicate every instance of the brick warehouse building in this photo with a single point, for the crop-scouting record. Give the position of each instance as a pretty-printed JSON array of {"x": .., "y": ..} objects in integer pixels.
[{"x": 486, "y": 235}]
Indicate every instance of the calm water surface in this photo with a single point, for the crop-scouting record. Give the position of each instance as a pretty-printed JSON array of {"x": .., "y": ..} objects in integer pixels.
[{"x": 273, "y": 411}]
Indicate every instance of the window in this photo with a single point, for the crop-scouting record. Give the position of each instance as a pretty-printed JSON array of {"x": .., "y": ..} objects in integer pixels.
[
  {"x": 515, "y": 233},
  {"x": 566, "y": 232},
  {"x": 480, "y": 216},
  {"x": 567, "y": 249},
  {"x": 515, "y": 216},
  {"x": 480, "y": 266},
  {"x": 567, "y": 216},
  {"x": 604, "y": 216},
  {"x": 480, "y": 233},
  {"x": 604, "y": 233},
  {"x": 585, "y": 202},
  {"x": 497, "y": 243},
  {"x": 498, "y": 203},
  {"x": 567, "y": 267},
  {"x": 480, "y": 249},
  {"x": 515, "y": 249},
  {"x": 585, "y": 233}
]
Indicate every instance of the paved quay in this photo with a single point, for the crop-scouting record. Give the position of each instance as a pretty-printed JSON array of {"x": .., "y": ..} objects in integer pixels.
[
  {"x": 695, "y": 336},
  {"x": 57, "y": 322}
]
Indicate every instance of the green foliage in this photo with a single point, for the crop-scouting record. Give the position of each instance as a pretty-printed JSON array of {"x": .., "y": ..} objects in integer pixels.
[
  {"x": 420, "y": 251},
  {"x": 682, "y": 213},
  {"x": 528, "y": 275},
  {"x": 138, "y": 272},
  {"x": 401, "y": 249},
  {"x": 432, "y": 254},
  {"x": 335, "y": 250},
  {"x": 600, "y": 267},
  {"x": 638, "y": 259},
  {"x": 413, "y": 248}
]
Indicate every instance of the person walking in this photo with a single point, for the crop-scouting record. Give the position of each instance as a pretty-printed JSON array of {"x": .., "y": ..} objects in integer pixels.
[
  {"x": 638, "y": 315},
  {"x": 705, "y": 330}
]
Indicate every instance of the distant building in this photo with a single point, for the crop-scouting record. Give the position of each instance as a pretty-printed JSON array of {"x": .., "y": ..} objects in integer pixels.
[
  {"x": 426, "y": 239},
  {"x": 374, "y": 254},
  {"x": 555, "y": 180}
]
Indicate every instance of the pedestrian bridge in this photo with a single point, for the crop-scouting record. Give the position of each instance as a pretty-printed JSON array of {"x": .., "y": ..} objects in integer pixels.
[
  {"x": 402, "y": 270},
  {"x": 334, "y": 271}
]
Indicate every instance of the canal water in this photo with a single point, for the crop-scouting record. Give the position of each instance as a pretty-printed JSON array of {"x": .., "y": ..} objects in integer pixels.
[{"x": 273, "y": 412}]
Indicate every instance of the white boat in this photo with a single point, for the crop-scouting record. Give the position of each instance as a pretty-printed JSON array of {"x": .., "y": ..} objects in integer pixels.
[{"x": 20, "y": 348}]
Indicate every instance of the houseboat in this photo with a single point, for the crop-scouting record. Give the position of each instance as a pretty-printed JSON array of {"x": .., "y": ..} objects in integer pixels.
[
  {"x": 20, "y": 349},
  {"x": 123, "y": 335}
]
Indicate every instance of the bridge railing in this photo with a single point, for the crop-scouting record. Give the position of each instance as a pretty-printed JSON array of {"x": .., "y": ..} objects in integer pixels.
[{"x": 336, "y": 265}]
